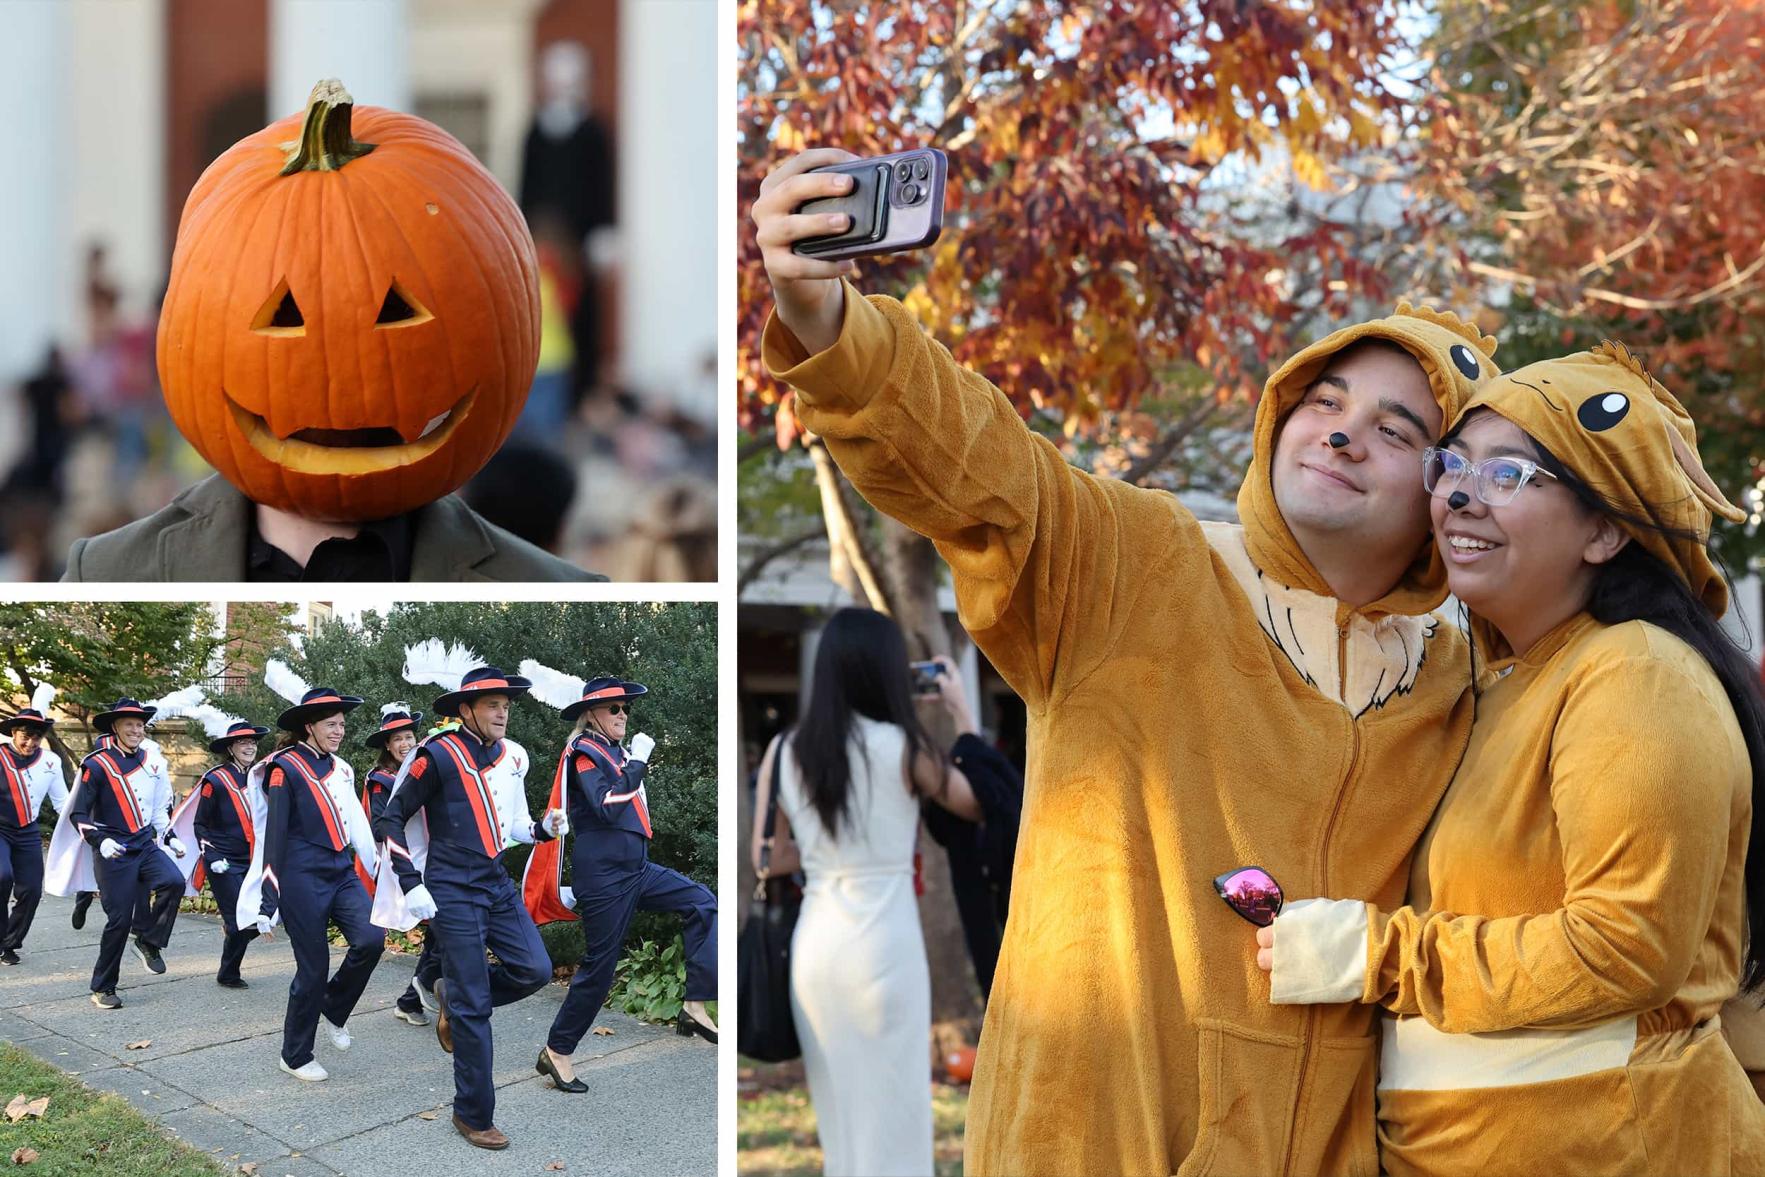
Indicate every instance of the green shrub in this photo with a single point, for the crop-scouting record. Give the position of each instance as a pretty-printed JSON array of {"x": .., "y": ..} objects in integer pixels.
[{"x": 650, "y": 981}]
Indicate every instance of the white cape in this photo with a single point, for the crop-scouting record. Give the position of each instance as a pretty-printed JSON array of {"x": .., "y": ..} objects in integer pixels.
[
  {"x": 68, "y": 869},
  {"x": 341, "y": 784},
  {"x": 390, "y": 910}
]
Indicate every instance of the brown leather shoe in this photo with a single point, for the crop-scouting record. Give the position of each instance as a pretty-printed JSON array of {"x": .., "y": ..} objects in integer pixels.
[
  {"x": 491, "y": 1137},
  {"x": 444, "y": 1027}
]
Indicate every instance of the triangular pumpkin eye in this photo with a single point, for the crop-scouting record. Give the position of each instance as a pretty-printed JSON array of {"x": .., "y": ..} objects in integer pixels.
[
  {"x": 399, "y": 309},
  {"x": 280, "y": 314}
]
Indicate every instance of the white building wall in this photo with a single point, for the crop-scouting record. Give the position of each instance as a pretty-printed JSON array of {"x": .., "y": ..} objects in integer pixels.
[
  {"x": 668, "y": 182},
  {"x": 365, "y": 44}
]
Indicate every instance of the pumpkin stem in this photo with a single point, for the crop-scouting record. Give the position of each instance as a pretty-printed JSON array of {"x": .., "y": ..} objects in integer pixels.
[{"x": 325, "y": 143}]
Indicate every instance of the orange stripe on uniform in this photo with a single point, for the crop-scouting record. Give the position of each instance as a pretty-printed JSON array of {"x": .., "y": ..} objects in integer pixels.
[
  {"x": 327, "y": 808},
  {"x": 125, "y": 796},
  {"x": 483, "y": 807}
]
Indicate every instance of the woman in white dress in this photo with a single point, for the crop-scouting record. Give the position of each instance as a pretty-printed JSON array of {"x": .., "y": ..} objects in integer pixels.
[{"x": 852, "y": 778}]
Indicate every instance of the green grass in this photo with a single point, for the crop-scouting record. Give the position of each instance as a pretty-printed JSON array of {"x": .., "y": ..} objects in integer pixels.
[
  {"x": 85, "y": 1132},
  {"x": 775, "y": 1130}
]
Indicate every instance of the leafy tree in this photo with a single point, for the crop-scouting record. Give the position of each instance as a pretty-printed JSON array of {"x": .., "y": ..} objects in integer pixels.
[{"x": 93, "y": 652}]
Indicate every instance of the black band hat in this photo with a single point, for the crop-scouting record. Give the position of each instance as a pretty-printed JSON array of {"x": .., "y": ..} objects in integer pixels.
[
  {"x": 483, "y": 680},
  {"x": 122, "y": 709},
  {"x": 603, "y": 688},
  {"x": 239, "y": 731},
  {"x": 30, "y": 716},
  {"x": 391, "y": 724},
  {"x": 316, "y": 704}
]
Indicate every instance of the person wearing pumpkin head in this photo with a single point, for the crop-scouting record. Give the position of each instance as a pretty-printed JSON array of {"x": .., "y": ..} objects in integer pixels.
[
  {"x": 225, "y": 837},
  {"x": 304, "y": 873},
  {"x": 460, "y": 886},
  {"x": 29, "y": 775},
  {"x": 393, "y": 740},
  {"x": 121, "y": 810},
  {"x": 349, "y": 333},
  {"x": 1587, "y": 897},
  {"x": 612, "y": 876},
  {"x": 1198, "y": 693}
]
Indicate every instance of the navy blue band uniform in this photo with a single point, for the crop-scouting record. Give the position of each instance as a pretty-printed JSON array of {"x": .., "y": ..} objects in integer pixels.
[
  {"x": 224, "y": 834},
  {"x": 477, "y": 904},
  {"x": 309, "y": 877},
  {"x": 118, "y": 800},
  {"x": 27, "y": 781},
  {"x": 613, "y": 879}
]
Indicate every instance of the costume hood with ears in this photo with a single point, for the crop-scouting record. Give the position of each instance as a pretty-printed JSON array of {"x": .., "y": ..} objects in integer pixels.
[
  {"x": 1618, "y": 430},
  {"x": 1458, "y": 359}
]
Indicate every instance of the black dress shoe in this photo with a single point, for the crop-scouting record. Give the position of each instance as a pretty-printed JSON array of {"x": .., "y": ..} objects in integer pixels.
[
  {"x": 232, "y": 982},
  {"x": 10, "y": 956},
  {"x": 81, "y": 902},
  {"x": 444, "y": 1030},
  {"x": 686, "y": 1026},
  {"x": 546, "y": 1067}
]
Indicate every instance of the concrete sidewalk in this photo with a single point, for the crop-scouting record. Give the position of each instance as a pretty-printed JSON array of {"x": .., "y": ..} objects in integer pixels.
[{"x": 210, "y": 1076}]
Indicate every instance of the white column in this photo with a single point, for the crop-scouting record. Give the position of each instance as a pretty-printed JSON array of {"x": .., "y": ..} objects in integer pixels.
[
  {"x": 807, "y": 644},
  {"x": 34, "y": 65},
  {"x": 363, "y": 43},
  {"x": 116, "y": 153},
  {"x": 668, "y": 183},
  {"x": 968, "y": 668}
]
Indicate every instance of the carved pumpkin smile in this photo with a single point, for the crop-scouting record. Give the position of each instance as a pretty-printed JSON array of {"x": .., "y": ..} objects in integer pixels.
[
  {"x": 348, "y": 451},
  {"x": 352, "y": 324}
]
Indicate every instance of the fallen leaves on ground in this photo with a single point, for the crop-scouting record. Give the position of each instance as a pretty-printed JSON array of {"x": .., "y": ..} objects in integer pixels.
[
  {"x": 24, "y": 1156},
  {"x": 603, "y": 1031},
  {"x": 554, "y": 1166},
  {"x": 20, "y": 1107},
  {"x": 426, "y": 1115},
  {"x": 141, "y": 1045}
]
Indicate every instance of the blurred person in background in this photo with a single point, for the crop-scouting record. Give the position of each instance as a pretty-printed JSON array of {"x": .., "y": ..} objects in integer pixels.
[
  {"x": 979, "y": 853},
  {"x": 525, "y": 490},
  {"x": 851, "y": 778},
  {"x": 672, "y": 536},
  {"x": 567, "y": 175}
]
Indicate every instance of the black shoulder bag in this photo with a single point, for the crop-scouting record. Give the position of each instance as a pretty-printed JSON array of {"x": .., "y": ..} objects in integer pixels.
[{"x": 764, "y": 1028}]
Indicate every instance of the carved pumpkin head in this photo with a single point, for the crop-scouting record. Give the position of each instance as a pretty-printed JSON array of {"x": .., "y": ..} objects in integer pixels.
[{"x": 352, "y": 324}]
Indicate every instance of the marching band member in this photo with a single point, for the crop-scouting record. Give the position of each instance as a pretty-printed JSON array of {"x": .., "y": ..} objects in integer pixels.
[
  {"x": 217, "y": 817},
  {"x": 394, "y": 739},
  {"x": 29, "y": 772},
  {"x": 459, "y": 884},
  {"x": 121, "y": 808},
  {"x": 303, "y": 872},
  {"x": 611, "y": 872}
]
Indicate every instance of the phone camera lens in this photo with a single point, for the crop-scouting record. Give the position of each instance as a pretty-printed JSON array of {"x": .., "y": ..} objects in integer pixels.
[
  {"x": 903, "y": 171},
  {"x": 909, "y": 193},
  {"x": 921, "y": 170}
]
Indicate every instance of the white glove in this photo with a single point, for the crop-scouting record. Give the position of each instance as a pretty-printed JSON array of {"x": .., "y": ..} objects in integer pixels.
[
  {"x": 641, "y": 747},
  {"x": 110, "y": 848},
  {"x": 419, "y": 902},
  {"x": 221, "y": 866},
  {"x": 265, "y": 925},
  {"x": 557, "y": 822},
  {"x": 175, "y": 846}
]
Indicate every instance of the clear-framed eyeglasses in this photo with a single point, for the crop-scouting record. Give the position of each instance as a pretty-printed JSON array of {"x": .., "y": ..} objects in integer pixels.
[{"x": 1495, "y": 481}]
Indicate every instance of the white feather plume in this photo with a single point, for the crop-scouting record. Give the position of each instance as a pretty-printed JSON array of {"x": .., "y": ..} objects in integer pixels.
[
  {"x": 280, "y": 679},
  {"x": 42, "y": 697},
  {"x": 214, "y": 721},
  {"x": 177, "y": 703},
  {"x": 433, "y": 662},
  {"x": 394, "y": 709},
  {"x": 554, "y": 688}
]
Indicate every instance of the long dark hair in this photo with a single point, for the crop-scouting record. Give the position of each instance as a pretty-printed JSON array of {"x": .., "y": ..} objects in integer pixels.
[
  {"x": 1636, "y": 585},
  {"x": 860, "y": 669}
]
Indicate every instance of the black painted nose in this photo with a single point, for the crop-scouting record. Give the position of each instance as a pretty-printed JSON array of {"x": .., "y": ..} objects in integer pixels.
[
  {"x": 1338, "y": 440},
  {"x": 1457, "y": 500}
]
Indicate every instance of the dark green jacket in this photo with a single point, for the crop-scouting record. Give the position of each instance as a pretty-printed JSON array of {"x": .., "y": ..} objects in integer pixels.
[{"x": 201, "y": 535}]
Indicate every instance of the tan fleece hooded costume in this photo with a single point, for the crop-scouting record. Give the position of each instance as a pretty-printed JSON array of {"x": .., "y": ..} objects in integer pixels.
[
  {"x": 1576, "y": 911},
  {"x": 1197, "y": 701}
]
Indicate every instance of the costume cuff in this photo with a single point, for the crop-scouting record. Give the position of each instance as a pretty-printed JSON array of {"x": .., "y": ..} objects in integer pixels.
[
  {"x": 1320, "y": 952},
  {"x": 847, "y": 374}
]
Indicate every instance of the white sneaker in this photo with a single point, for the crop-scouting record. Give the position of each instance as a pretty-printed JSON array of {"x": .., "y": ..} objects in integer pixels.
[
  {"x": 311, "y": 1071},
  {"x": 339, "y": 1036}
]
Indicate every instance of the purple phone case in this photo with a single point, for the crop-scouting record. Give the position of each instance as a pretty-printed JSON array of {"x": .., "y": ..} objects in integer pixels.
[{"x": 906, "y": 226}]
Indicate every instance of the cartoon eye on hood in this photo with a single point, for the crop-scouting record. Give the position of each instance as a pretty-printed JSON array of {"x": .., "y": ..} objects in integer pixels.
[
  {"x": 1465, "y": 360},
  {"x": 1599, "y": 413}
]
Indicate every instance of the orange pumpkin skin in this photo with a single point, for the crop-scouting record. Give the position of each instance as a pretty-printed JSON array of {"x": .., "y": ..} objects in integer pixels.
[{"x": 418, "y": 214}]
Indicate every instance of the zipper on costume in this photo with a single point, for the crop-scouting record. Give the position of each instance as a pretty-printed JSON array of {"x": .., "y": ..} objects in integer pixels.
[{"x": 1313, "y": 1013}]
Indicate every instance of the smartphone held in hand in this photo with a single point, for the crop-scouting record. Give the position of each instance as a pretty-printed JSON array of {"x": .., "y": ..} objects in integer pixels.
[
  {"x": 896, "y": 204},
  {"x": 925, "y": 677}
]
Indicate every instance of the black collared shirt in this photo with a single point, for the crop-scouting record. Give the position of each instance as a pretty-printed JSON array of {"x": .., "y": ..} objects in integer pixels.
[{"x": 381, "y": 550}]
